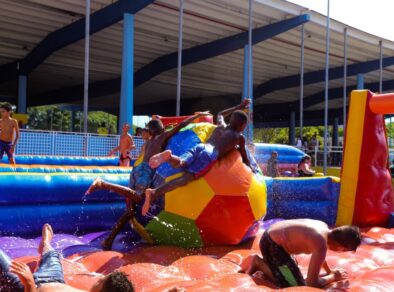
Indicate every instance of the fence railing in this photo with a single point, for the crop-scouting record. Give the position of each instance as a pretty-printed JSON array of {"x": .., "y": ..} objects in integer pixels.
[
  {"x": 334, "y": 155},
  {"x": 34, "y": 142}
]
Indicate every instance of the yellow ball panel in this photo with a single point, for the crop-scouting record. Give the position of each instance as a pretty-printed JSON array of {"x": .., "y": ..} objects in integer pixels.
[
  {"x": 258, "y": 197},
  {"x": 189, "y": 201}
]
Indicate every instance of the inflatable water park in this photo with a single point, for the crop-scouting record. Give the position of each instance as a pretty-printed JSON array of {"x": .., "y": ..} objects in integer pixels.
[
  {"x": 230, "y": 226},
  {"x": 203, "y": 231}
]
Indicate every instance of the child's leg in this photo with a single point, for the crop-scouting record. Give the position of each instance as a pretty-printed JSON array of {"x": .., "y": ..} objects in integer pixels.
[
  {"x": 255, "y": 263},
  {"x": 166, "y": 156},
  {"x": 152, "y": 194},
  {"x": 107, "y": 243},
  {"x": 99, "y": 184},
  {"x": 50, "y": 267}
]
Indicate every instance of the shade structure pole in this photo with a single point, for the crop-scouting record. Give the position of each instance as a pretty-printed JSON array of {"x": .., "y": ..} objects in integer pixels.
[
  {"x": 249, "y": 95},
  {"x": 302, "y": 80},
  {"x": 180, "y": 46},
  {"x": 380, "y": 66},
  {"x": 326, "y": 88},
  {"x": 344, "y": 78},
  {"x": 86, "y": 68}
]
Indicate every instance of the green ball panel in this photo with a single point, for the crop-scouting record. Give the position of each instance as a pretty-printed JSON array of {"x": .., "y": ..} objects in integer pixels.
[{"x": 170, "y": 229}]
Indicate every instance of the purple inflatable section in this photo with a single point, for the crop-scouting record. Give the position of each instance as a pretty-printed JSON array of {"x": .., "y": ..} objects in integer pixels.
[{"x": 69, "y": 244}]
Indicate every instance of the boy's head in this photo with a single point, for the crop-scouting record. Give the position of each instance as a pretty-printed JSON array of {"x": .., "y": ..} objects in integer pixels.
[
  {"x": 274, "y": 154},
  {"x": 138, "y": 131},
  {"x": 344, "y": 238},
  {"x": 238, "y": 121},
  {"x": 126, "y": 128},
  {"x": 5, "y": 110},
  {"x": 116, "y": 281},
  {"x": 145, "y": 134},
  {"x": 155, "y": 127}
]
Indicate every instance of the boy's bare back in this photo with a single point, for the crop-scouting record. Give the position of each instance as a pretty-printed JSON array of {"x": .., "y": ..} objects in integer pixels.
[{"x": 299, "y": 235}]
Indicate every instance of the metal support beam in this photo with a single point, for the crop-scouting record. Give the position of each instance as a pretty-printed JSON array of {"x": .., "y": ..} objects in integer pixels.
[
  {"x": 302, "y": 80},
  {"x": 292, "y": 129},
  {"x": 291, "y": 81},
  {"x": 127, "y": 86},
  {"x": 22, "y": 94},
  {"x": 326, "y": 88},
  {"x": 86, "y": 68},
  {"x": 168, "y": 62},
  {"x": 380, "y": 66},
  {"x": 180, "y": 46},
  {"x": 344, "y": 78},
  {"x": 73, "y": 117},
  {"x": 249, "y": 129},
  {"x": 360, "y": 81},
  {"x": 70, "y": 34}
]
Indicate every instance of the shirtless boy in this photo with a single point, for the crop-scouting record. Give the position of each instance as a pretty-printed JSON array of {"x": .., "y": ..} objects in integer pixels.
[
  {"x": 126, "y": 144},
  {"x": 17, "y": 277},
  {"x": 298, "y": 236},
  {"x": 140, "y": 177},
  {"x": 199, "y": 160},
  {"x": 8, "y": 127}
]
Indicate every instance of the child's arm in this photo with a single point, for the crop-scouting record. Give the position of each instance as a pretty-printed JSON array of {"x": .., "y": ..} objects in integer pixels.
[
  {"x": 113, "y": 151},
  {"x": 183, "y": 124},
  {"x": 132, "y": 144},
  {"x": 242, "y": 150},
  {"x": 16, "y": 128},
  {"x": 225, "y": 113}
]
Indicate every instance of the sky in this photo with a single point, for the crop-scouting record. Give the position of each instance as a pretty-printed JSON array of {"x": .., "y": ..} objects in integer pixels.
[{"x": 376, "y": 16}]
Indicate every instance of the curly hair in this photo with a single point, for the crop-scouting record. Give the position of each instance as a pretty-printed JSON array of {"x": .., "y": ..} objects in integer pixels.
[{"x": 117, "y": 281}]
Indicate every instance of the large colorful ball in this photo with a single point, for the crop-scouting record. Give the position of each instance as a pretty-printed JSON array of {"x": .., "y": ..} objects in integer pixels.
[{"x": 220, "y": 208}]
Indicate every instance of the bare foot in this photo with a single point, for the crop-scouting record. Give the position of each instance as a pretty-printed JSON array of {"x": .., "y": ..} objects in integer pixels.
[
  {"x": 107, "y": 244},
  {"x": 94, "y": 186},
  {"x": 149, "y": 193},
  {"x": 47, "y": 235},
  {"x": 156, "y": 160}
]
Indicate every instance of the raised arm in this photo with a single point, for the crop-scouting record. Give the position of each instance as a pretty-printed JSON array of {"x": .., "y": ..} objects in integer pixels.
[
  {"x": 183, "y": 124},
  {"x": 225, "y": 113}
]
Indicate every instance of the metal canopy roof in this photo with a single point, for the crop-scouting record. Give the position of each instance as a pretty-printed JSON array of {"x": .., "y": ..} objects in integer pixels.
[{"x": 25, "y": 23}]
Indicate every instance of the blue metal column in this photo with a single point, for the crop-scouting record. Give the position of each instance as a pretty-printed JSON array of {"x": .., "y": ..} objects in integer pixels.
[
  {"x": 360, "y": 81},
  {"x": 292, "y": 129},
  {"x": 247, "y": 92},
  {"x": 22, "y": 94},
  {"x": 127, "y": 83}
]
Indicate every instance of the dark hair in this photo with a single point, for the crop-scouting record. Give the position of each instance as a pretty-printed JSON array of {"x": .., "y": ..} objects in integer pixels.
[
  {"x": 6, "y": 106},
  {"x": 117, "y": 281},
  {"x": 303, "y": 159},
  {"x": 347, "y": 236},
  {"x": 144, "y": 130},
  {"x": 155, "y": 125},
  {"x": 241, "y": 116}
]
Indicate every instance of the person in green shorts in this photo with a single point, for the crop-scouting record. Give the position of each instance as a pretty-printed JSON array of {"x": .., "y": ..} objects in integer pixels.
[{"x": 301, "y": 236}]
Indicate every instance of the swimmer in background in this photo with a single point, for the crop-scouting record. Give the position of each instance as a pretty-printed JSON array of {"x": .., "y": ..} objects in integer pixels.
[
  {"x": 303, "y": 167},
  {"x": 17, "y": 277},
  {"x": 301, "y": 236},
  {"x": 8, "y": 128},
  {"x": 199, "y": 160},
  {"x": 140, "y": 177},
  {"x": 126, "y": 144}
]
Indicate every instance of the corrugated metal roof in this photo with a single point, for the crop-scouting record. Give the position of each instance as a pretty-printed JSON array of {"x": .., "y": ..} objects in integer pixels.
[{"x": 24, "y": 23}]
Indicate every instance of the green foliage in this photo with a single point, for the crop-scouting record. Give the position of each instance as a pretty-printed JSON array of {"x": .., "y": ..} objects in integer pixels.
[
  {"x": 281, "y": 135},
  {"x": 55, "y": 119}
]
